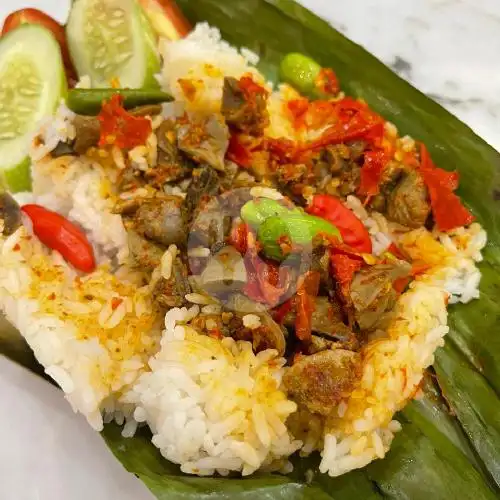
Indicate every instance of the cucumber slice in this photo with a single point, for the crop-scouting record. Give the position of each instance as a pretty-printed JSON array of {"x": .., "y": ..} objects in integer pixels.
[
  {"x": 32, "y": 84},
  {"x": 113, "y": 39}
]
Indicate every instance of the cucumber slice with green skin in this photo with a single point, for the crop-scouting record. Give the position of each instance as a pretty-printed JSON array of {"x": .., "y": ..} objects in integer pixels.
[
  {"x": 32, "y": 84},
  {"x": 113, "y": 39}
]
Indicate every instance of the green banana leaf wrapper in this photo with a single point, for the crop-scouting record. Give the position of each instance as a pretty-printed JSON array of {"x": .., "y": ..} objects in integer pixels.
[{"x": 449, "y": 447}]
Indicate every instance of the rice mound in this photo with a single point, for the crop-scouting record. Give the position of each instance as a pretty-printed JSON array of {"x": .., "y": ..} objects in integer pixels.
[
  {"x": 93, "y": 335},
  {"x": 214, "y": 405}
]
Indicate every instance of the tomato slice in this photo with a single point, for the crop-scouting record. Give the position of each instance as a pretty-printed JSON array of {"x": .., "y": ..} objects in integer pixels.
[
  {"x": 35, "y": 16},
  {"x": 167, "y": 19},
  {"x": 353, "y": 231}
]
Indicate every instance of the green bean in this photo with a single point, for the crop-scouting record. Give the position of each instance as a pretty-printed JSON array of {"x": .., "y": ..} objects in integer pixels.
[
  {"x": 298, "y": 229},
  {"x": 89, "y": 101},
  {"x": 300, "y": 72},
  {"x": 255, "y": 212}
]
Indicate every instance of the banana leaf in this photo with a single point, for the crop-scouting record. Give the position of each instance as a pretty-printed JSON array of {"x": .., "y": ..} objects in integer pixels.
[
  {"x": 436, "y": 455},
  {"x": 474, "y": 403},
  {"x": 430, "y": 457},
  {"x": 475, "y": 326}
]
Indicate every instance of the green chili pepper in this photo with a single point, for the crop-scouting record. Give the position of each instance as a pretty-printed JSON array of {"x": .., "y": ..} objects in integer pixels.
[
  {"x": 89, "y": 101},
  {"x": 296, "y": 229},
  {"x": 300, "y": 72},
  {"x": 255, "y": 212}
]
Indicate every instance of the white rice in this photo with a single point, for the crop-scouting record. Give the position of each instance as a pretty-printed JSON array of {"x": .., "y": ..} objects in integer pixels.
[
  {"x": 251, "y": 321},
  {"x": 213, "y": 406},
  {"x": 167, "y": 262},
  {"x": 80, "y": 189},
  {"x": 266, "y": 192},
  {"x": 204, "y": 58},
  {"x": 200, "y": 299},
  {"x": 87, "y": 370},
  {"x": 52, "y": 130},
  {"x": 199, "y": 252}
]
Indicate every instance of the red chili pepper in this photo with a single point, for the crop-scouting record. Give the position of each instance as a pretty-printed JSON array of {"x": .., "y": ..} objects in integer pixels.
[
  {"x": 343, "y": 267},
  {"x": 298, "y": 109},
  {"x": 371, "y": 172},
  {"x": 307, "y": 290},
  {"x": 238, "y": 238},
  {"x": 266, "y": 283},
  {"x": 401, "y": 283},
  {"x": 121, "y": 128},
  {"x": 396, "y": 251},
  {"x": 417, "y": 268},
  {"x": 238, "y": 153},
  {"x": 353, "y": 231},
  {"x": 166, "y": 18},
  {"x": 58, "y": 233},
  {"x": 447, "y": 208},
  {"x": 353, "y": 120},
  {"x": 250, "y": 88},
  {"x": 281, "y": 311},
  {"x": 327, "y": 82}
]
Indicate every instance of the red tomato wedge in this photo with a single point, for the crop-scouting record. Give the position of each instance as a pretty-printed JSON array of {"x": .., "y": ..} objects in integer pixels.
[
  {"x": 166, "y": 18},
  {"x": 35, "y": 16}
]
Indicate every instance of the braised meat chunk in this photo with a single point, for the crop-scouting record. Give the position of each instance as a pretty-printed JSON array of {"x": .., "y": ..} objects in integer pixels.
[
  {"x": 204, "y": 140},
  {"x": 162, "y": 220},
  {"x": 373, "y": 294},
  {"x": 10, "y": 214},
  {"x": 171, "y": 292},
  {"x": 87, "y": 134},
  {"x": 145, "y": 254},
  {"x": 326, "y": 323},
  {"x": 244, "y": 105},
  {"x": 408, "y": 203},
  {"x": 204, "y": 184},
  {"x": 321, "y": 380}
]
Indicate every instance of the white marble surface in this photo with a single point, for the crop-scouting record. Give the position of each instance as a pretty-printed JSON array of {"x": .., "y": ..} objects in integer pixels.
[{"x": 447, "y": 48}]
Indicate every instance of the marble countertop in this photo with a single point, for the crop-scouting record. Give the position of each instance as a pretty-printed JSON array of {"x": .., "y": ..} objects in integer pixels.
[{"x": 447, "y": 48}]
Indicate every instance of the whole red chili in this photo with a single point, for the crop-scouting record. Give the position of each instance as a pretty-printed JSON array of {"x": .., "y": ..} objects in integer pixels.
[
  {"x": 58, "y": 233},
  {"x": 353, "y": 231}
]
